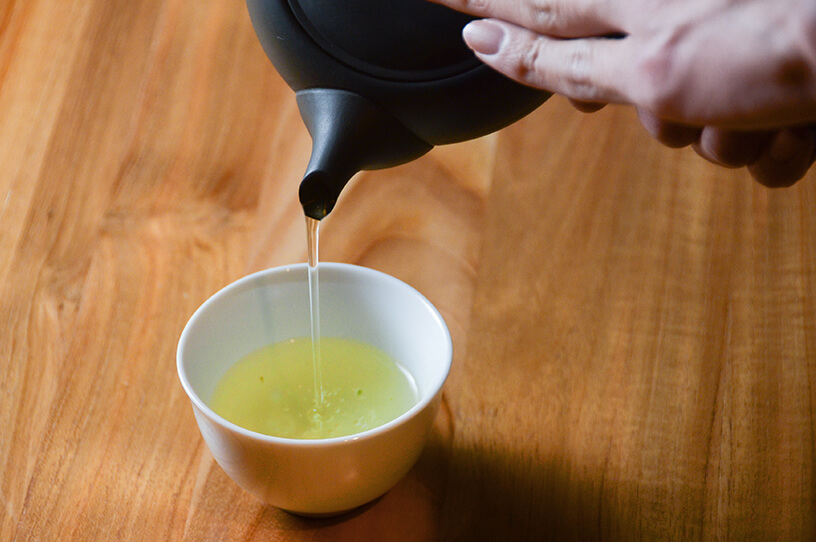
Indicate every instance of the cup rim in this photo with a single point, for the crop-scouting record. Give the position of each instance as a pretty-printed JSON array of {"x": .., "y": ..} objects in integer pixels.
[{"x": 242, "y": 283}]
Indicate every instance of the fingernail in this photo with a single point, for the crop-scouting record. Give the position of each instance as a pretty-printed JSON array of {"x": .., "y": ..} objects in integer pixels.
[{"x": 483, "y": 36}]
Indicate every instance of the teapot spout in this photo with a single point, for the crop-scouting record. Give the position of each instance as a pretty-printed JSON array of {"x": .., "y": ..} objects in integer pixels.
[{"x": 349, "y": 134}]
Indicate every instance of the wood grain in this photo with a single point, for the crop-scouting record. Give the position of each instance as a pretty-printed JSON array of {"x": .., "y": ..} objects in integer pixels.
[{"x": 634, "y": 328}]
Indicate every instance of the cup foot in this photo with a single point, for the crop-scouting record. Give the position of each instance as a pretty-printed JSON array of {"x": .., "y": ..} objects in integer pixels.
[{"x": 330, "y": 515}]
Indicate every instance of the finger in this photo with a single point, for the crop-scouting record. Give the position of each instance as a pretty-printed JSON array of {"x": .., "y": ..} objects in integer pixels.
[
  {"x": 562, "y": 18},
  {"x": 587, "y": 107},
  {"x": 731, "y": 148},
  {"x": 671, "y": 134},
  {"x": 787, "y": 158},
  {"x": 586, "y": 70}
]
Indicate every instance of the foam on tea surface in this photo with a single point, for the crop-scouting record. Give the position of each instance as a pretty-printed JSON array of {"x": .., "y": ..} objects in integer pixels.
[{"x": 271, "y": 391}]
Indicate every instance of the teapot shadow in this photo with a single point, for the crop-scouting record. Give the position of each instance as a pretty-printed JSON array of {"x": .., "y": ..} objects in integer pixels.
[
  {"x": 471, "y": 491},
  {"x": 494, "y": 495}
]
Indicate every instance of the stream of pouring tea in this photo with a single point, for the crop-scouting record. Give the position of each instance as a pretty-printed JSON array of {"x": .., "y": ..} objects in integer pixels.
[
  {"x": 355, "y": 385},
  {"x": 312, "y": 236}
]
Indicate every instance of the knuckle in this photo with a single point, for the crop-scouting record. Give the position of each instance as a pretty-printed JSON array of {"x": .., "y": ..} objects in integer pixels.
[
  {"x": 580, "y": 71},
  {"x": 578, "y": 80},
  {"x": 560, "y": 17},
  {"x": 476, "y": 6},
  {"x": 573, "y": 76},
  {"x": 544, "y": 14},
  {"x": 655, "y": 85},
  {"x": 528, "y": 61}
]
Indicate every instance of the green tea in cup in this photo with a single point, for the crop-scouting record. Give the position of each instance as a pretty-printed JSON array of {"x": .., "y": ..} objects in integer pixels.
[{"x": 272, "y": 390}]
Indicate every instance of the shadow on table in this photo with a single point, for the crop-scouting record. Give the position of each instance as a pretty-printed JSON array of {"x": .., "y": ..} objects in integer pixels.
[
  {"x": 497, "y": 495},
  {"x": 503, "y": 498},
  {"x": 460, "y": 493}
]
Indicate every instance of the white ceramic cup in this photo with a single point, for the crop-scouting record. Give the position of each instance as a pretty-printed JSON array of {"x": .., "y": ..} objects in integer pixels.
[{"x": 325, "y": 476}]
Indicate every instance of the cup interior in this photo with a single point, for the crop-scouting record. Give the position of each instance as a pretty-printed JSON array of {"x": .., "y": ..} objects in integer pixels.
[{"x": 273, "y": 305}]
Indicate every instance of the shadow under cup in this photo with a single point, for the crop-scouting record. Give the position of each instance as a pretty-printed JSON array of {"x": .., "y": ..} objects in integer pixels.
[{"x": 323, "y": 476}]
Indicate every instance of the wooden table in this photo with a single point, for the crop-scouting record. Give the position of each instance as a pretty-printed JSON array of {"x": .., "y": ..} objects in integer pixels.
[{"x": 635, "y": 329}]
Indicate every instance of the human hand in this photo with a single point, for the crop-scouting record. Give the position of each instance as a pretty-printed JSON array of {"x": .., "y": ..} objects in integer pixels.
[{"x": 734, "y": 78}]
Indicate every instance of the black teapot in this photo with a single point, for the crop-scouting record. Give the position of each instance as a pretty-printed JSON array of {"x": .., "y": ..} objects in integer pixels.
[{"x": 379, "y": 83}]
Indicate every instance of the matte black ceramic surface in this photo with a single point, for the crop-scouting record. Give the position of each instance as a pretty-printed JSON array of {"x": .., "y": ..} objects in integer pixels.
[{"x": 379, "y": 83}]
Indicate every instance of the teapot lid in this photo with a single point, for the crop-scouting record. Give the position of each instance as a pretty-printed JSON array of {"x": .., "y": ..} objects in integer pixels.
[{"x": 398, "y": 40}]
